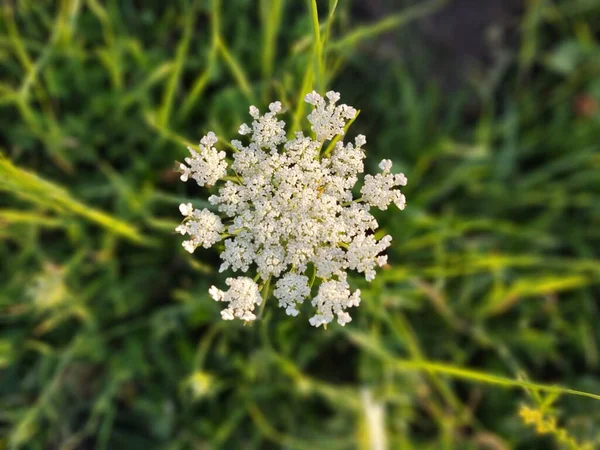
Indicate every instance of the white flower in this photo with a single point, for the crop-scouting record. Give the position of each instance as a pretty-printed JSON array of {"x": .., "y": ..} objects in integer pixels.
[
  {"x": 215, "y": 293},
  {"x": 313, "y": 98},
  {"x": 204, "y": 227},
  {"x": 244, "y": 129},
  {"x": 347, "y": 161},
  {"x": 289, "y": 212},
  {"x": 188, "y": 246},
  {"x": 291, "y": 290},
  {"x": 238, "y": 254},
  {"x": 363, "y": 254},
  {"x": 186, "y": 209},
  {"x": 357, "y": 221},
  {"x": 379, "y": 190},
  {"x": 333, "y": 299},
  {"x": 185, "y": 172},
  {"x": 385, "y": 165},
  {"x": 328, "y": 120},
  {"x": 207, "y": 166},
  {"x": 243, "y": 295},
  {"x": 267, "y": 131}
]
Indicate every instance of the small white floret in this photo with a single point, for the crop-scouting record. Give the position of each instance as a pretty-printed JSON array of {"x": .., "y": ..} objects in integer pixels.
[
  {"x": 185, "y": 172},
  {"x": 385, "y": 165},
  {"x": 186, "y": 209},
  {"x": 242, "y": 297},
  {"x": 206, "y": 165},
  {"x": 291, "y": 290},
  {"x": 244, "y": 129},
  {"x": 333, "y": 299}
]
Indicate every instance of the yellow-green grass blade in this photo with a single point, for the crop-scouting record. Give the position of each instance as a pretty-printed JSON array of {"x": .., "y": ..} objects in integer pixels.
[
  {"x": 389, "y": 23},
  {"x": 30, "y": 186},
  {"x": 369, "y": 345}
]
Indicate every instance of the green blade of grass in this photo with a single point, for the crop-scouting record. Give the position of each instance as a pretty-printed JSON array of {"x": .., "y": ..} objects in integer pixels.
[
  {"x": 374, "y": 348},
  {"x": 336, "y": 139},
  {"x": 325, "y": 41},
  {"x": 165, "y": 132},
  {"x": 198, "y": 87},
  {"x": 271, "y": 20},
  {"x": 307, "y": 81},
  {"x": 389, "y": 23},
  {"x": 318, "y": 63},
  {"x": 9, "y": 216},
  {"x": 49, "y": 195},
  {"x": 173, "y": 83},
  {"x": 236, "y": 69},
  {"x": 537, "y": 286},
  {"x": 140, "y": 92}
]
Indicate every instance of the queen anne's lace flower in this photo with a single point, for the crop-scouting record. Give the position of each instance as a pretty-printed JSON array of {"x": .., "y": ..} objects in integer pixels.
[
  {"x": 333, "y": 298},
  {"x": 363, "y": 254},
  {"x": 266, "y": 130},
  {"x": 289, "y": 212},
  {"x": 207, "y": 165},
  {"x": 204, "y": 227},
  {"x": 243, "y": 295},
  {"x": 379, "y": 190},
  {"x": 291, "y": 290},
  {"x": 328, "y": 120}
]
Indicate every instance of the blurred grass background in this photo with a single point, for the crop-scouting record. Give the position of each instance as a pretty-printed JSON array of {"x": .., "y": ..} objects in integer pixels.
[{"x": 108, "y": 339}]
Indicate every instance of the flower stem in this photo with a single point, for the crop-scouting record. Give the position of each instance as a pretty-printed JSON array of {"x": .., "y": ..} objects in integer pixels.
[
  {"x": 230, "y": 178},
  {"x": 265, "y": 296},
  {"x": 314, "y": 275}
]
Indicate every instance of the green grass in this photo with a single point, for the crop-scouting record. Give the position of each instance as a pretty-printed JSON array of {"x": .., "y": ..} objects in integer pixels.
[{"x": 108, "y": 338}]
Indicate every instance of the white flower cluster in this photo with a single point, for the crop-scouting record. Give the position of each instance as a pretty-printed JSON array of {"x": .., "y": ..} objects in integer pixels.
[
  {"x": 288, "y": 211},
  {"x": 204, "y": 227},
  {"x": 206, "y": 166},
  {"x": 242, "y": 296},
  {"x": 379, "y": 190}
]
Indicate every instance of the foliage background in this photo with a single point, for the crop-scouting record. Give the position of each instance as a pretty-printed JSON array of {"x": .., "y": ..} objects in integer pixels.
[{"x": 108, "y": 338}]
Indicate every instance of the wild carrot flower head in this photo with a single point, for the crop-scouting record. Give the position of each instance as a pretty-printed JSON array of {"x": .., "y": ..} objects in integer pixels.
[{"x": 287, "y": 211}]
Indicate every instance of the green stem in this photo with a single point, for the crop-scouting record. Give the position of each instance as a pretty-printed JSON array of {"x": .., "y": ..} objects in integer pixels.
[
  {"x": 318, "y": 46},
  {"x": 230, "y": 178},
  {"x": 314, "y": 275},
  {"x": 265, "y": 295},
  {"x": 336, "y": 139}
]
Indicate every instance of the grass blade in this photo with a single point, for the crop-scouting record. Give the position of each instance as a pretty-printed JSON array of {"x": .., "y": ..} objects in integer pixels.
[
  {"x": 387, "y": 24},
  {"x": 318, "y": 63},
  {"x": 49, "y": 195},
  {"x": 372, "y": 347}
]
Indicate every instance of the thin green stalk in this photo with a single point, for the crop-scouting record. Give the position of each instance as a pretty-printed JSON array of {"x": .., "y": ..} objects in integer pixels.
[
  {"x": 313, "y": 276},
  {"x": 336, "y": 139},
  {"x": 387, "y": 24},
  {"x": 307, "y": 81},
  {"x": 401, "y": 325},
  {"x": 318, "y": 63},
  {"x": 265, "y": 296},
  {"x": 370, "y": 346},
  {"x": 332, "y": 7},
  {"x": 173, "y": 83},
  {"x": 49, "y": 195},
  {"x": 199, "y": 86},
  {"x": 271, "y": 19},
  {"x": 236, "y": 69}
]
